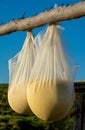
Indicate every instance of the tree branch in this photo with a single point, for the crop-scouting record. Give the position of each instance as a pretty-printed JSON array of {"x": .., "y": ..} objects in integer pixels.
[{"x": 57, "y": 14}]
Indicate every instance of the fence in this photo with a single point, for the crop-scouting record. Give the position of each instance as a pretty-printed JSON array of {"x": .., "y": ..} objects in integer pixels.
[{"x": 79, "y": 114}]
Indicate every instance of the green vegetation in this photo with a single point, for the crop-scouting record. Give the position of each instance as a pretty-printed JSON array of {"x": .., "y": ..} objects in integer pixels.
[{"x": 10, "y": 120}]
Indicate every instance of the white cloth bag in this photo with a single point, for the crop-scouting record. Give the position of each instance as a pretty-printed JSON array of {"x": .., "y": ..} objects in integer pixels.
[
  {"x": 50, "y": 90},
  {"x": 20, "y": 67}
]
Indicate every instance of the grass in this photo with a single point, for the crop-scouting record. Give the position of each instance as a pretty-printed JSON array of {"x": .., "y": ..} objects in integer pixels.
[{"x": 10, "y": 120}]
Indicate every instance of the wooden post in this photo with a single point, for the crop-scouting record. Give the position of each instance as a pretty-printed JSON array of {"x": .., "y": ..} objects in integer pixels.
[{"x": 60, "y": 13}]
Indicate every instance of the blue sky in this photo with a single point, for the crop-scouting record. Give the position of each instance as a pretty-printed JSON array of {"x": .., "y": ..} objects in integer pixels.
[{"x": 12, "y": 43}]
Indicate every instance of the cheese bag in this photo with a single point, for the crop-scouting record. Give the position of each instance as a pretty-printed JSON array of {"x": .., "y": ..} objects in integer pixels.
[
  {"x": 50, "y": 90},
  {"x": 20, "y": 67}
]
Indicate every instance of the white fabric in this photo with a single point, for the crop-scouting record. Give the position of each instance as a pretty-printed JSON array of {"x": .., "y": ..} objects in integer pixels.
[
  {"x": 20, "y": 67},
  {"x": 50, "y": 90}
]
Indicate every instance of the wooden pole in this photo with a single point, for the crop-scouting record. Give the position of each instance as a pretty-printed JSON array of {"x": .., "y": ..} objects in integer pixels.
[{"x": 57, "y": 14}]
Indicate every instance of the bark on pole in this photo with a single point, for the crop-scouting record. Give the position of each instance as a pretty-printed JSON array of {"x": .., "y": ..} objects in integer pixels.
[{"x": 57, "y": 14}]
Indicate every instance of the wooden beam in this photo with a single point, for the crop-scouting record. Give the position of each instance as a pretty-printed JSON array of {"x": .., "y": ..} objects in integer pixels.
[{"x": 57, "y": 14}]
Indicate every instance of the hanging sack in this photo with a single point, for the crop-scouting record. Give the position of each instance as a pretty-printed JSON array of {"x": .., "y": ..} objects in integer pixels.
[
  {"x": 20, "y": 68},
  {"x": 50, "y": 90}
]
